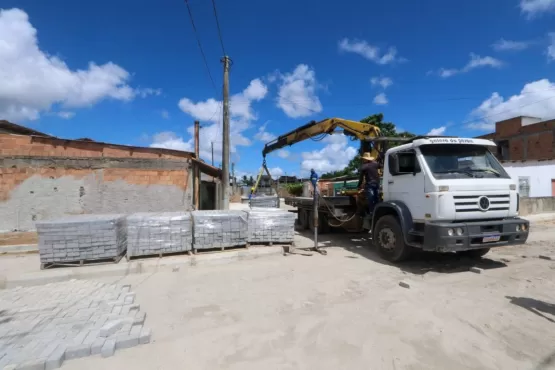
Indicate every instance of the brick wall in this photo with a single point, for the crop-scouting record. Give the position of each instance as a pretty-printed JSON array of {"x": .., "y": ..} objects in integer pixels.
[{"x": 42, "y": 178}]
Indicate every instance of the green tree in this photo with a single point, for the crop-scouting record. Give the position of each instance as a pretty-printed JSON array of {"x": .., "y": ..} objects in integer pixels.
[{"x": 387, "y": 129}]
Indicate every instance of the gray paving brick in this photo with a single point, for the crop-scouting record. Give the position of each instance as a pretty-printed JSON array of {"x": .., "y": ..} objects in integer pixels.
[
  {"x": 108, "y": 348},
  {"x": 145, "y": 335},
  {"x": 56, "y": 359},
  {"x": 37, "y": 364},
  {"x": 49, "y": 320},
  {"x": 78, "y": 351},
  {"x": 96, "y": 347},
  {"x": 126, "y": 341},
  {"x": 110, "y": 328}
]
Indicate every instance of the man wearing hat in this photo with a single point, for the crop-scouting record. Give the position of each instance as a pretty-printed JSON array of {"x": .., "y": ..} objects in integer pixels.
[{"x": 370, "y": 176}]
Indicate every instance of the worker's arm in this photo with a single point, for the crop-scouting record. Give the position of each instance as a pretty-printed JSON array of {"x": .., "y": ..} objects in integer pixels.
[{"x": 360, "y": 177}]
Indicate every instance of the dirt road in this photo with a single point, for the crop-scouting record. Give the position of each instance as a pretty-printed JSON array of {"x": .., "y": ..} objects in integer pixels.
[{"x": 346, "y": 310}]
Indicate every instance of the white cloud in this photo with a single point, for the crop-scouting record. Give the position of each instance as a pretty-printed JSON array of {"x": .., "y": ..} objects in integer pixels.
[
  {"x": 241, "y": 113},
  {"x": 66, "y": 115},
  {"x": 297, "y": 92},
  {"x": 264, "y": 135},
  {"x": 384, "y": 82},
  {"x": 276, "y": 172},
  {"x": 551, "y": 47},
  {"x": 283, "y": 153},
  {"x": 380, "y": 99},
  {"x": 334, "y": 156},
  {"x": 534, "y": 7},
  {"x": 475, "y": 61},
  {"x": 509, "y": 45},
  {"x": 34, "y": 81},
  {"x": 165, "y": 114},
  {"x": 437, "y": 131},
  {"x": 144, "y": 92},
  {"x": 370, "y": 52},
  {"x": 536, "y": 99},
  {"x": 169, "y": 140}
]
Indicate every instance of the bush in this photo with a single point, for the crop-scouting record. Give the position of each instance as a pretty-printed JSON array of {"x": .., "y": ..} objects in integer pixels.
[{"x": 295, "y": 189}]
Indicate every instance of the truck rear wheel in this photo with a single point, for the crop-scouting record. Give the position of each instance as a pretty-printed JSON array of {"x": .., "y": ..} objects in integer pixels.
[
  {"x": 389, "y": 240},
  {"x": 323, "y": 225},
  {"x": 474, "y": 253},
  {"x": 302, "y": 219}
]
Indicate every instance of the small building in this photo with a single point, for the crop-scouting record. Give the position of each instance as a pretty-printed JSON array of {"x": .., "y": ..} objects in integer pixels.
[
  {"x": 44, "y": 177},
  {"x": 525, "y": 146}
]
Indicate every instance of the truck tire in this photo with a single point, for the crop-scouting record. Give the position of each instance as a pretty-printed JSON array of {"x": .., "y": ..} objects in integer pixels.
[
  {"x": 302, "y": 219},
  {"x": 389, "y": 240},
  {"x": 323, "y": 225},
  {"x": 475, "y": 253}
]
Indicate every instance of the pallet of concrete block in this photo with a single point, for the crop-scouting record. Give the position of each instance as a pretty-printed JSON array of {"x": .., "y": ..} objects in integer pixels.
[
  {"x": 270, "y": 225},
  {"x": 265, "y": 202},
  {"x": 159, "y": 233},
  {"x": 219, "y": 229},
  {"x": 82, "y": 239}
]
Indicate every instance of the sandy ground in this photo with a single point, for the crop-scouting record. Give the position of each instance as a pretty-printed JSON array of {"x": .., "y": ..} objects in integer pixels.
[{"x": 347, "y": 311}]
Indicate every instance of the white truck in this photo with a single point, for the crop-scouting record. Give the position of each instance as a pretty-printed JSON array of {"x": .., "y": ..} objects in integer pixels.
[{"x": 446, "y": 194}]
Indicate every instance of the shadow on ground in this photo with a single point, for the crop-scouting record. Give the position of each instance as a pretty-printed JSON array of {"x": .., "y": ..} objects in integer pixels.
[
  {"x": 420, "y": 263},
  {"x": 535, "y": 306}
]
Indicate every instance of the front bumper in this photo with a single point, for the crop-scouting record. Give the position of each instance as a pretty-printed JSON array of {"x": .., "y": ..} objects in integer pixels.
[{"x": 497, "y": 233}]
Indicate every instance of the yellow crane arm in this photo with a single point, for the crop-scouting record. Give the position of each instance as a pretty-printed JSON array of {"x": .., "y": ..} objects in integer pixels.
[{"x": 362, "y": 131}]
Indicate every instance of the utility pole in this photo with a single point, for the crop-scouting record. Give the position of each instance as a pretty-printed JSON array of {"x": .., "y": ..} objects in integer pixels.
[
  {"x": 225, "y": 141},
  {"x": 197, "y": 172},
  {"x": 212, "y": 144}
]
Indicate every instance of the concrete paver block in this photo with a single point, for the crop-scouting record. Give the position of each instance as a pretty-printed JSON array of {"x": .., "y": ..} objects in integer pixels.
[
  {"x": 145, "y": 335},
  {"x": 60, "y": 321},
  {"x": 476, "y": 270},
  {"x": 109, "y": 348}
]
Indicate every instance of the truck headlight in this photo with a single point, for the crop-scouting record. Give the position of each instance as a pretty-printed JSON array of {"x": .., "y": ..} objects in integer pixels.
[
  {"x": 459, "y": 231},
  {"x": 524, "y": 227},
  {"x": 450, "y": 232},
  {"x": 517, "y": 227}
]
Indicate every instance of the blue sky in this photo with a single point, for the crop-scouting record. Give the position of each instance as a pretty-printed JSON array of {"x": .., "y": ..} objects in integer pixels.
[{"x": 130, "y": 72}]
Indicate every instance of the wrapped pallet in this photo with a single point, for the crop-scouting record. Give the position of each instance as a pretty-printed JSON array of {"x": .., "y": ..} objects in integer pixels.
[
  {"x": 159, "y": 233},
  {"x": 265, "y": 202},
  {"x": 219, "y": 229},
  {"x": 82, "y": 238},
  {"x": 270, "y": 225}
]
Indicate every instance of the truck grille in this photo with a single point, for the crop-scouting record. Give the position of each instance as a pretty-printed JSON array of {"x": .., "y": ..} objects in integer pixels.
[{"x": 482, "y": 203}]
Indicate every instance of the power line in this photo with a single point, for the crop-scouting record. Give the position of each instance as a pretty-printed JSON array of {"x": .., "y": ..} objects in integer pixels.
[
  {"x": 200, "y": 46},
  {"x": 218, "y": 25}
]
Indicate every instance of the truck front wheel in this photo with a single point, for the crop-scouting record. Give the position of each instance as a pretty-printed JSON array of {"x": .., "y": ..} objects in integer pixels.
[{"x": 389, "y": 240}]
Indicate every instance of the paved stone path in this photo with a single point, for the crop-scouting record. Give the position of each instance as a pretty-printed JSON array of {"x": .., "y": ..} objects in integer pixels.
[{"x": 42, "y": 326}]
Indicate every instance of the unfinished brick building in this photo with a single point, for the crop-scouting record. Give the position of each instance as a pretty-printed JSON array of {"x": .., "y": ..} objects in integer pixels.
[
  {"x": 525, "y": 146},
  {"x": 44, "y": 177}
]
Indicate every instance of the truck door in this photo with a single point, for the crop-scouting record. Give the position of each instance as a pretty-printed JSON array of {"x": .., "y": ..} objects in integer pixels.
[{"x": 406, "y": 181}]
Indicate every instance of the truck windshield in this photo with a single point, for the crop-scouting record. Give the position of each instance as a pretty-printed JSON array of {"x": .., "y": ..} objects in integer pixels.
[{"x": 461, "y": 161}]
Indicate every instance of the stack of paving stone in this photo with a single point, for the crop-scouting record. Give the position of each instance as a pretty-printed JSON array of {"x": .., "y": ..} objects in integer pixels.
[
  {"x": 265, "y": 202},
  {"x": 268, "y": 225},
  {"x": 219, "y": 229},
  {"x": 82, "y": 238},
  {"x": 159, "y": 233}
]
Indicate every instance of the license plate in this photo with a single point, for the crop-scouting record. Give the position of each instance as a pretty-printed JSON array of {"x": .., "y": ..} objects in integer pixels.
[{"x": 491, "y": 238}]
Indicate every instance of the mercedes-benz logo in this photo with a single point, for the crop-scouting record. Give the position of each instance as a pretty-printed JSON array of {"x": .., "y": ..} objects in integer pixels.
[{"x": 483, "y": 203}]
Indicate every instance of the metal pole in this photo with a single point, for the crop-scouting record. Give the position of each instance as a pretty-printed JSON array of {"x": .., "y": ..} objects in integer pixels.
[
  {"x": 225, "y": 140},
  {"x": 197, "y": 172},
  {"x": 212, "y": 144}
]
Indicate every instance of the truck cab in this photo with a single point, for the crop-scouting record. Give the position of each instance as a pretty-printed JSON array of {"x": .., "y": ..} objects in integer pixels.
[{"x": 446, "y": 194}]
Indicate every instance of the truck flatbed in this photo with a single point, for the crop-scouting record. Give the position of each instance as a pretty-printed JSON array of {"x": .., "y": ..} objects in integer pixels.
[{"x": 341, "y": 200}]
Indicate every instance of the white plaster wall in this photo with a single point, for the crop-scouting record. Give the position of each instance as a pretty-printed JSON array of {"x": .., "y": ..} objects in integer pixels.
[{"x": 540, "y": 173}]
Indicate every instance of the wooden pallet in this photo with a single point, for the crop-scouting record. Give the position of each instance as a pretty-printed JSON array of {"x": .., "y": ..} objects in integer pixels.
[
  {"x": 291, "y": 243},
  {"x": 79, "y": 263},
  {"x": 219, "y": 249},
  {"x": 159, "y": 255}
]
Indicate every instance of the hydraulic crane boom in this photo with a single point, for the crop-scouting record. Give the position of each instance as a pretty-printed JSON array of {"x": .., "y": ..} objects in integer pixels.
[{"x": 359, "y": 130}]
